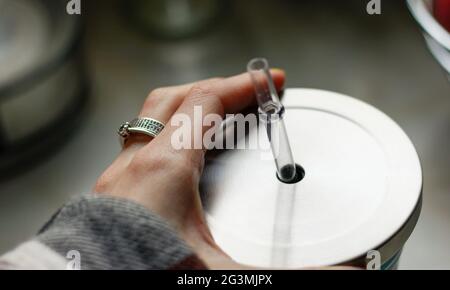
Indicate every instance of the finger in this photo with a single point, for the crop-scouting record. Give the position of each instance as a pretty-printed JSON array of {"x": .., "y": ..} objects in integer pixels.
[
  {"x": 237, "y": 93},
  {"x": 160, "y": 105},
  {"x": 220, "y": 97}
]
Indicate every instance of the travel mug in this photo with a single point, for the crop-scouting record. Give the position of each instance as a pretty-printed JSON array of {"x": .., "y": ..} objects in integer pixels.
[{"x": 357, "y": 204}]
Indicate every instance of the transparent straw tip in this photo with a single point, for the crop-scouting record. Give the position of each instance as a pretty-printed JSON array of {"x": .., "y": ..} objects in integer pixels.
[
  {"x": 271, "y": 110},
  {"x": 266, "y": 93}
]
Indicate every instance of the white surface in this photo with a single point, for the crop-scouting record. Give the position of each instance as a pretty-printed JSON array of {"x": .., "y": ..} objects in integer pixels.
[{"x": 363, "y": 181}]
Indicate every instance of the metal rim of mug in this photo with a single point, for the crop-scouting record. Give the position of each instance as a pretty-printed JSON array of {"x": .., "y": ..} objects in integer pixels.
[
  {"x": 14, "y": 155},
  {"x": 72, "y": 28}
]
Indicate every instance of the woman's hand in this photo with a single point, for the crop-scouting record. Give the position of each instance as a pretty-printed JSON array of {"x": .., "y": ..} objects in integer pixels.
[{"x": 166, "y": 181}]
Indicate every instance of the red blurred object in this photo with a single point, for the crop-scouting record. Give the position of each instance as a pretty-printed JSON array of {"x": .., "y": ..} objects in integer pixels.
[{"x": 442, "y": 12}]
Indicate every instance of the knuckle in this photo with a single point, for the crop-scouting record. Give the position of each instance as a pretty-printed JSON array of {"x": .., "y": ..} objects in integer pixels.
[
  {"x": 199, "y": 91},
  {"x": 155, "y": 97},
  {"x": 157, "y": 93},
  {"x": 215, "y": 104},
  {"x": 203, "y": 94}
]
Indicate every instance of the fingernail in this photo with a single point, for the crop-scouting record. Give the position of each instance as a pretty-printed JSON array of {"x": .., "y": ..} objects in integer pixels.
[{"x": 277, "y": 70}]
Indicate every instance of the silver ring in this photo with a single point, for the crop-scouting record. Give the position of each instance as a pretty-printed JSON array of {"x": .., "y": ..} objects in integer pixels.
[{"x": 146, "y": 126}]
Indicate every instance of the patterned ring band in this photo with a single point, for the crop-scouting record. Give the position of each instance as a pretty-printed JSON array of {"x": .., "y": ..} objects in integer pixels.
[{"x": 147, "y": 126}]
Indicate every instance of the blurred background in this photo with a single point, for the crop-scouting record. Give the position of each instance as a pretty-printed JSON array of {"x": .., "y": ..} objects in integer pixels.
[{"x": 68, "y": 82}]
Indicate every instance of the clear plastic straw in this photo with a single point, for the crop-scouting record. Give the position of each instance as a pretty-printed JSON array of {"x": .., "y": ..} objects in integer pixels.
[{"x": 271, "y": 112}]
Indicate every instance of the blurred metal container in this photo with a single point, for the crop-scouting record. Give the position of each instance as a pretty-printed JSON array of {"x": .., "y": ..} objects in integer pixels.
[
  {"x": 361, "y": 190},
  {"x": 436, "y": 36},
  {"x": 173, "y": 18},
  {"x": 42, "y": 79}
]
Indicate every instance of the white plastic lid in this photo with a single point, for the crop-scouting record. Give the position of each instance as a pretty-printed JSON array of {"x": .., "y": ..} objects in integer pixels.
[{"x": 363, "y": 181}]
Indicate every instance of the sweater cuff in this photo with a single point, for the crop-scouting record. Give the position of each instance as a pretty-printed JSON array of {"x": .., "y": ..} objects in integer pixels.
[{"x": 113, "y": 233}]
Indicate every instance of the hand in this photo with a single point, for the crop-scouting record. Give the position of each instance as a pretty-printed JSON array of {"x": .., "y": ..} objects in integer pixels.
[{"x": 166, "y": 181}]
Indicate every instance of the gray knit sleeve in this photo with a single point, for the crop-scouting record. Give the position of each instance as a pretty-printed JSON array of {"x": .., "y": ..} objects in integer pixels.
[{"x": 113, "y": 233}]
